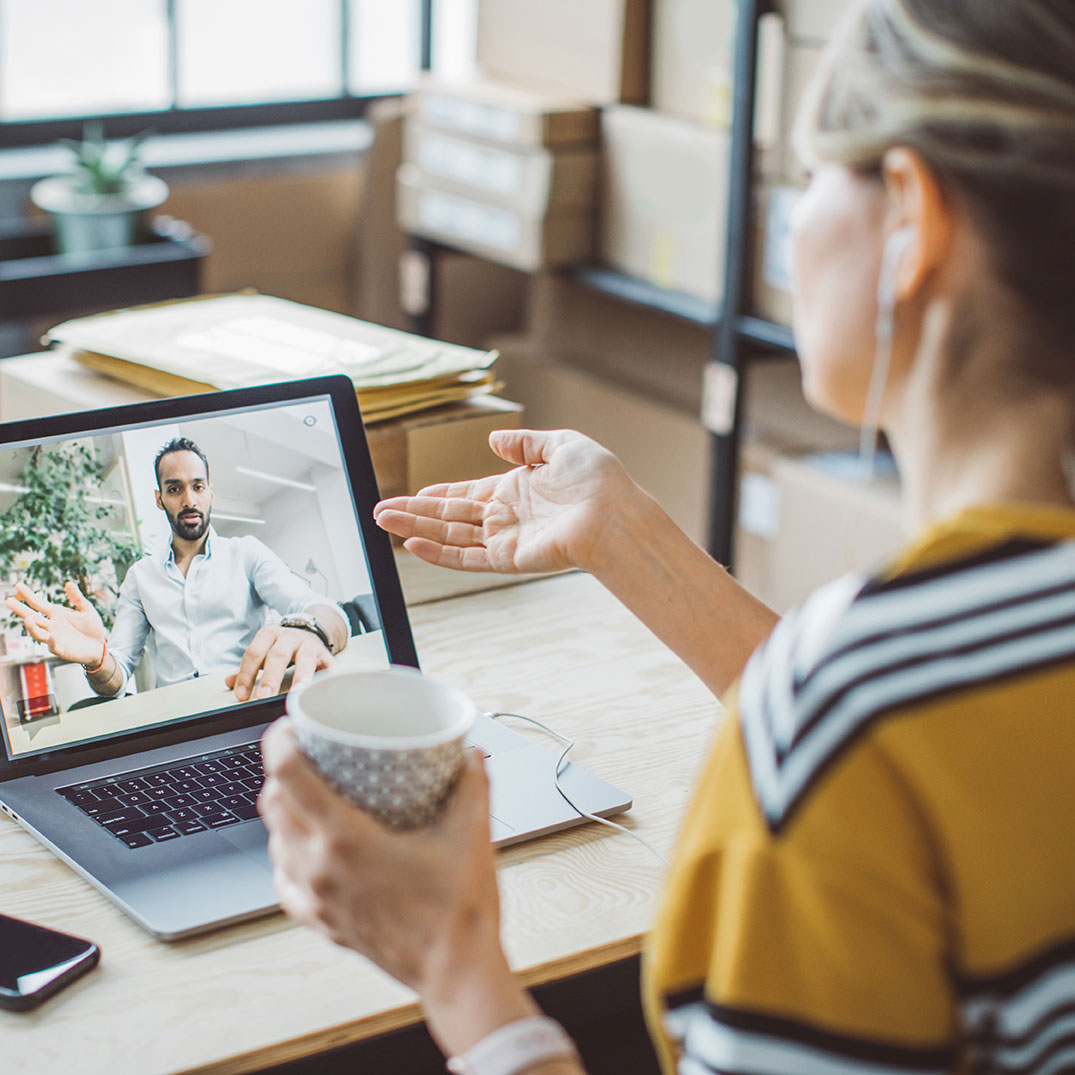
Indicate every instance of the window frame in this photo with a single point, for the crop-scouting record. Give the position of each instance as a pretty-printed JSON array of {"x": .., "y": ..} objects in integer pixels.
[{"x": 177, "y": 120}]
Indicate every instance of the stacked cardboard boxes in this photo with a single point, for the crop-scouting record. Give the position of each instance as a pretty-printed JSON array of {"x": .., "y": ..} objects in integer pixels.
[
  {"x": 509, "y": 174},
  {"x": 664, "y": 186},
  {"x": 475, "y": 298},
  {"x": 506, "y": 166}
]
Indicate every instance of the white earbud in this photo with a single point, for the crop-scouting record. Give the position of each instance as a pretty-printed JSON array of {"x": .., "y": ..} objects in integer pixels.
[{"x": 895, "y": 248}]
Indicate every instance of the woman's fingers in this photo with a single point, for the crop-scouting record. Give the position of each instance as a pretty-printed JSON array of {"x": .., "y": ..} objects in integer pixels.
[
  {"x": 304, "y": 791},
  {"x": 526, "y": 447},
  {"x": 430, "y": 504},
  {"x": 461, "y": 535},
  {"x": 473, "y": 558}
]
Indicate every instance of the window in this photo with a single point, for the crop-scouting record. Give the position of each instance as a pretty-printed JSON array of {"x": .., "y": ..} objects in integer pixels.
[{"x": 202, "y": 64}]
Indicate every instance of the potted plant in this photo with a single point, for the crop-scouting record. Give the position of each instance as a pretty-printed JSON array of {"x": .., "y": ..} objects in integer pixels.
[
  {"x": 60, "y": 527},
  {"x": 103, "y": 201}
]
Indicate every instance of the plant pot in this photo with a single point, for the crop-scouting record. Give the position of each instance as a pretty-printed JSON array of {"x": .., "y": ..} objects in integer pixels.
[{"x": 84, "y": 222}]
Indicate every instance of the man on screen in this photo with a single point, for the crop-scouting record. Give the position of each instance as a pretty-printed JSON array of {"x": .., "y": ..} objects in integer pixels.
[{"x": 204, "y": 598}]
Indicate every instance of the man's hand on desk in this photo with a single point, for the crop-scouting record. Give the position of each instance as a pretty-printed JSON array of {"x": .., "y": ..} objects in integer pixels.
[
  {"x": 272, "y": 651},
  {"x": 548, "y": 514},
  {"x": 422, "y": 905}
]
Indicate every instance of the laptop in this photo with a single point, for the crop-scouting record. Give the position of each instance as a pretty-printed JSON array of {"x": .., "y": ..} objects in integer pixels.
[{"x": 150, "y": 794}]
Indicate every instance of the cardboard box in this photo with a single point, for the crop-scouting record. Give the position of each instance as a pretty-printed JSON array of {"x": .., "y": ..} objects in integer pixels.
[
  {"x": 773, "y": 276},
  {"x": 814, "y": 21},
  {"x": 693, "y": 59},
  {"x": 757, "y": 520},
  {"x": 504, "y": 113},
  {"x": 641, "y": 349},
  {"x": 535, "y": 181},
  {"x": 475, "y": 298},
  {"x": 496, "y": 232},
  {"x": 800, "y": 65},
  {"x": 597, "y": 51},
  {"x": 664, "y": 450},
  {"x": 804, "y": 520},
  {"x": 445, "y": 444},
  {"x": 829, "y": 525},
  {"x": 769, "y": 90},
  {"x": 665, "y": 200}
]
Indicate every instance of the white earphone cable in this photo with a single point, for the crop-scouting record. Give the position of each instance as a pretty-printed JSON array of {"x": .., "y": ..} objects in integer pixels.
[
  {"x": 886, "y": 311},
  {"x": 568, "y": 745}
]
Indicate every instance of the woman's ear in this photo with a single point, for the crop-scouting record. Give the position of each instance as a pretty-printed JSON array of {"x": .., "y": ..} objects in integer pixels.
[{"x": 917, "y": 206}]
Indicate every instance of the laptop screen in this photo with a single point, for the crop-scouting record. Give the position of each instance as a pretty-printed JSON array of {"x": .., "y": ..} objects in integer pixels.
[{"x": 173, "y": 534}]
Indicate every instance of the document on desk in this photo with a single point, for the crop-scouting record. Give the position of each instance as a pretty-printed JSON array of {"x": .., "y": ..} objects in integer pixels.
[{"x": 245, "y": 339}]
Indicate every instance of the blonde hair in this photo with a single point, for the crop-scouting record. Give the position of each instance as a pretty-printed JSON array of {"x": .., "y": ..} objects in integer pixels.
[{"x": 984, "y": 91}]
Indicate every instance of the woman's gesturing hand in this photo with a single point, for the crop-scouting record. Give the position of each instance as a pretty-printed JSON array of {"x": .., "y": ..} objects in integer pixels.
[{"x": 547, "y": 514}]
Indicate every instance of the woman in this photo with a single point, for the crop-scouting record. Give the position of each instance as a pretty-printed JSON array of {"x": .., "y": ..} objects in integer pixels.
[{"x": 877, "y": 871}]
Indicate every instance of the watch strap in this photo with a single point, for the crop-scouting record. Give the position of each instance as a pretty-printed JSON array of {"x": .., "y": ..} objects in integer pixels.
[
  {"x": 516, "y": 1048},
  {"x": 308, "y": 623}
]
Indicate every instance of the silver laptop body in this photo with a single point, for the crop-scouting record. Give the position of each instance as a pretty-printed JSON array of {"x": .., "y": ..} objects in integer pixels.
[{"x": 208, "y": 876}]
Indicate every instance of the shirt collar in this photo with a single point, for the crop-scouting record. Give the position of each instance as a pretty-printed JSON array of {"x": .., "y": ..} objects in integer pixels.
[{"x": 168, "y": 552}]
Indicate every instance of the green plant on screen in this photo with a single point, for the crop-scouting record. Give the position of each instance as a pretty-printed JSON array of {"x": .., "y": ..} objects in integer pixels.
[{"x": 56, "y": 529}]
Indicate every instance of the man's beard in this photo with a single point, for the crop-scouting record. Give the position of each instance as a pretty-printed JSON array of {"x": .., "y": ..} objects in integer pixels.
[{"x": 192, "y": 530}]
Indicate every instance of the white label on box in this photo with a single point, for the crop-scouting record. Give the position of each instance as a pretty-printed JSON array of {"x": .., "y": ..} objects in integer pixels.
[
  {"x": 776, "y": 259},
  {"x": 759, "y": 506},
  {"x": 481, "y": 224},
  {"x": 490, "y": 170},
  {"x": 719, "y": 385},
  {"x": 472, "y": 117}
]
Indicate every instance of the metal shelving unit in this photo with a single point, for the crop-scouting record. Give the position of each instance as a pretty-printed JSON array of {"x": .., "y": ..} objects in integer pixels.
[{"x": 734, "y": 326}]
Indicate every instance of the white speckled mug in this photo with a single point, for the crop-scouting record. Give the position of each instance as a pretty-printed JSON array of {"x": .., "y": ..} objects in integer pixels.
[{"x": 391, "y": 740}]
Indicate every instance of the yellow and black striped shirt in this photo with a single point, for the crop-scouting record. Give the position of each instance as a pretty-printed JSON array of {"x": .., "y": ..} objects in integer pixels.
[{"x": 878, "y": 872}]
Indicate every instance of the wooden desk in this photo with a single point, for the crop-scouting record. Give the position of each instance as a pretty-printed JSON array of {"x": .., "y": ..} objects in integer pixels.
[{"x": 251, "y": 996}]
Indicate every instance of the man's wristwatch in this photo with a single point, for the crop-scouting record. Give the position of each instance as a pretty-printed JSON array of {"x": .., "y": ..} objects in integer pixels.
[{"x": 305, "y": 622}]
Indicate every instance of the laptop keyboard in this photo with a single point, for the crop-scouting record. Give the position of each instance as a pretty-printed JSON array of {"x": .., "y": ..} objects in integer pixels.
[{"x": 168, "y": 802}]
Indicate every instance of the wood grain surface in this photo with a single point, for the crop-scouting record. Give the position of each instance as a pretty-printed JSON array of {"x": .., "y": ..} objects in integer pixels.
[{"x": 242, "y": 998}]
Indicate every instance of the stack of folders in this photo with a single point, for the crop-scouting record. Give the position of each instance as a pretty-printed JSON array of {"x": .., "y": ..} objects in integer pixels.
[{"x": 243, "y": 339}]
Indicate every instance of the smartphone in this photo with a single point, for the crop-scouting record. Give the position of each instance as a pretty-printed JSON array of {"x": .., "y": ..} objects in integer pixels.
[{"x": 36, "y": 962}]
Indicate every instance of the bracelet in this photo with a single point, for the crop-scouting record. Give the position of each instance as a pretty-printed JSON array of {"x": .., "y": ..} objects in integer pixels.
[
  {"x": 100, "y": 663},
  {"x": 516, "y": 1048}
]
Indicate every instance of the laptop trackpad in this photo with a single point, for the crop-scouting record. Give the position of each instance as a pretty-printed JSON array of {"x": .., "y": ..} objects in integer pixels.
[{"x": 252, "y": 839}]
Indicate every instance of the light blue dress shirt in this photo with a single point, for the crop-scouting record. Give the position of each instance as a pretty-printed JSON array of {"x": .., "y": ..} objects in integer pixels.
[{"x": 203, "y": 623}]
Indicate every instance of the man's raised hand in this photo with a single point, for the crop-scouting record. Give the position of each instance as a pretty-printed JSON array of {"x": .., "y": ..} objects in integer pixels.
[{"x": 73, "y": 633}]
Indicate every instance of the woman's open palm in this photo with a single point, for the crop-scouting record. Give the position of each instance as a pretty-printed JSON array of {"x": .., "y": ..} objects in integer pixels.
[{"x": 547, "y": 514}]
